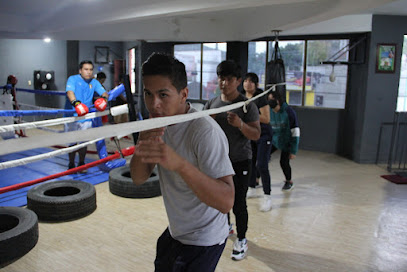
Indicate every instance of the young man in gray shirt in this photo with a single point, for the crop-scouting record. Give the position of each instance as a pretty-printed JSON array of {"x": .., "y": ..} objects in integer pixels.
[
  {"x": 194, "y": 169},
  {"x": 240, "y": 127}
]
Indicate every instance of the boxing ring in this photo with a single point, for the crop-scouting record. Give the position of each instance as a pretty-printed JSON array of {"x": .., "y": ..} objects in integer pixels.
[
  {"x": 27, "y": 161},
  {"x": 19, "y": 171}
]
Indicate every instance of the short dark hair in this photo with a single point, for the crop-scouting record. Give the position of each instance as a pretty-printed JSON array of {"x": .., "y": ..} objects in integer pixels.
[
  {"x": 278, "y": 97},
  {"x": 229, "y": 68},
  {"x": 85, "y": 62},
  {"x": 100, "y": 75},
  {"x": 166, "y": 65},
  {"x": 253, "y": 77}
]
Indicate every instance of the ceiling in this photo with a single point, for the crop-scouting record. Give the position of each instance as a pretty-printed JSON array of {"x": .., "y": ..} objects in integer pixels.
[{"x": 185, "y": 20}]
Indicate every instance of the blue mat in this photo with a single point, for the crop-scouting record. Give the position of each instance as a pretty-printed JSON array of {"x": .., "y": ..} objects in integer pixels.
[{"x": 37, "y": 170}]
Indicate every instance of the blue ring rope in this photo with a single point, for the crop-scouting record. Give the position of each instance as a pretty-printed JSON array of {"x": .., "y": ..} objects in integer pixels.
[
  {"x": 36, "y": 112},
  {"x": 42, "y": 92},
  {"x": 8, "y": 87}
]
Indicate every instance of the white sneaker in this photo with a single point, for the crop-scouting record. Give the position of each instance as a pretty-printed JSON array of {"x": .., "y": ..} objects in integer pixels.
[
  {"x": 240, "y": 248},
  {"x": 265, "y": 203},
  {"x": 252, "y": 193}
]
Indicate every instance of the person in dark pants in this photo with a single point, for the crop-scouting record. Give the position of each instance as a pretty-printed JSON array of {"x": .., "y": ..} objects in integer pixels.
[
  {"x": 194, "y": 170},
  {"x": 240, "y": 127},
  {"x": 80, "y": 89},
  {"x": 262, "y": 147},
  {"x": 286, "y": 134},
  {"x": 173, "y": 254}
]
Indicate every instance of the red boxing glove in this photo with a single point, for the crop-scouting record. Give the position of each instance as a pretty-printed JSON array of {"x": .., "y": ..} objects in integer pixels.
[
  {"x": 101, "y": 104},
  {"x": 81, "y": 109}
]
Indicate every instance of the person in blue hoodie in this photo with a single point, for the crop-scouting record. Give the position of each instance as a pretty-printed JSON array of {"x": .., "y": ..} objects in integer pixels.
[{"x": 286, "y": 134}]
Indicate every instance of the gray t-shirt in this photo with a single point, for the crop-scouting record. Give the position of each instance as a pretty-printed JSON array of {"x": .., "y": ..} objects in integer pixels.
[
  {"x": 202, "y": 143},
  {"x": 239, "y": 146}
]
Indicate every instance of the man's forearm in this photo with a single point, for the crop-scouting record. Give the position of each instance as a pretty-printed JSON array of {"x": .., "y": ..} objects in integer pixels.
[
  {"x": 251, "y": 130},
  {"x": 140, "y": 171}
]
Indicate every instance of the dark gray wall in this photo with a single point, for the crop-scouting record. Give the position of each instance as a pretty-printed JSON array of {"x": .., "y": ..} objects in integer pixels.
[
  {"x": 87, "y": 52},
  {"x": 380, "y": 95},
  {"x": 22, "y": 57},
  {"x": 320, "y": 129},
  {"x": 355, "y": 105},
  {"x": 238, "y": 52},
  {"x": 72, "y": 58}
]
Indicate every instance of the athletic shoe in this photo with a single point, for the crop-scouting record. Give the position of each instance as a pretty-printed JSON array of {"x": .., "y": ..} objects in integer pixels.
[
  {"x": 266, "y": 203},
  {"x": 288, "y": 186},
  {"x": 231, "y": 231},
  {"x": 71, "y": 165},
  {"x": 251, "y": 193},
  {"x": 240, "y": 248}
]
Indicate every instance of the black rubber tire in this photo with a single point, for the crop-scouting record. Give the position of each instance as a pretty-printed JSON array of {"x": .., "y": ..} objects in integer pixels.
[
  {"x": 18, "y": 233},
  {"x": 62, "y": 200},
  {"x": 121, "y": 184}
]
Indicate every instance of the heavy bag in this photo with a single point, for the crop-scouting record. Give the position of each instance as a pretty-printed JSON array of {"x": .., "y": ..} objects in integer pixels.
[{"x": 275, "y": 71}]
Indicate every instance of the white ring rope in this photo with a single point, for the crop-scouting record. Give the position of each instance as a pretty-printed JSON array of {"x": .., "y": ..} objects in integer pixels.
[
  {"x": 21, "y": 144},
  {"x": 47, "y": 155},
  {"x": 59, "y": 121},
  {"x": 118, "y": 110}
]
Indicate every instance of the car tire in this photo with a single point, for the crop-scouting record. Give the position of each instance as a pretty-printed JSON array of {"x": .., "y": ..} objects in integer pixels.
[
  {"x": 62, "y": 200},
  {"x": 121, "y": 184},
  {"x": 18, "y": 233}
]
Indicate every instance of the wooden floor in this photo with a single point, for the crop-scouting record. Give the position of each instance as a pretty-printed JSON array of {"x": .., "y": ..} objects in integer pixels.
[{"x": 341, "y": 216}]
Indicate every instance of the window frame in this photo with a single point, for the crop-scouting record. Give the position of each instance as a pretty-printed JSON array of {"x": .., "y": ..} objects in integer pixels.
[
  {"x": 349, "y": 37},
  {"x": 201, "y": 99}
]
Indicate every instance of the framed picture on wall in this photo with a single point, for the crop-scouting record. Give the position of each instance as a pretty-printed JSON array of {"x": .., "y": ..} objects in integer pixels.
[
  {"x": 385, "y": 58},
  {"x": 101, "y": 54}
]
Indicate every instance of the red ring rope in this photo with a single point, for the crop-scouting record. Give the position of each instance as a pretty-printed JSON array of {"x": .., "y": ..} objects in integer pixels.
[{"x": 126, "y": 152}]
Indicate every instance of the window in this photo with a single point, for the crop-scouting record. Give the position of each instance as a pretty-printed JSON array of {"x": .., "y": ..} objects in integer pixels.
[
  {"x": 213, "y": 54},
  {"x": 305, "y": 56},
  {"x": 256, "y": 62},
  {"x": 322, "y": 89},
  {"x": 402, "y": 97},
  {"x": 190, "y": 55},
  {"x": 200, "y": 61}
]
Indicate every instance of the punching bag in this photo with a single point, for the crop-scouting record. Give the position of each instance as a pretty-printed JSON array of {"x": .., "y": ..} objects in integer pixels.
[{"x": 275, "y": 71}]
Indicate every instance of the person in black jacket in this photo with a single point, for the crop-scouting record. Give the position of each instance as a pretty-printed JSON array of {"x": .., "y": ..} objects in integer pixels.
[{"x": 262, "y": 147}]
